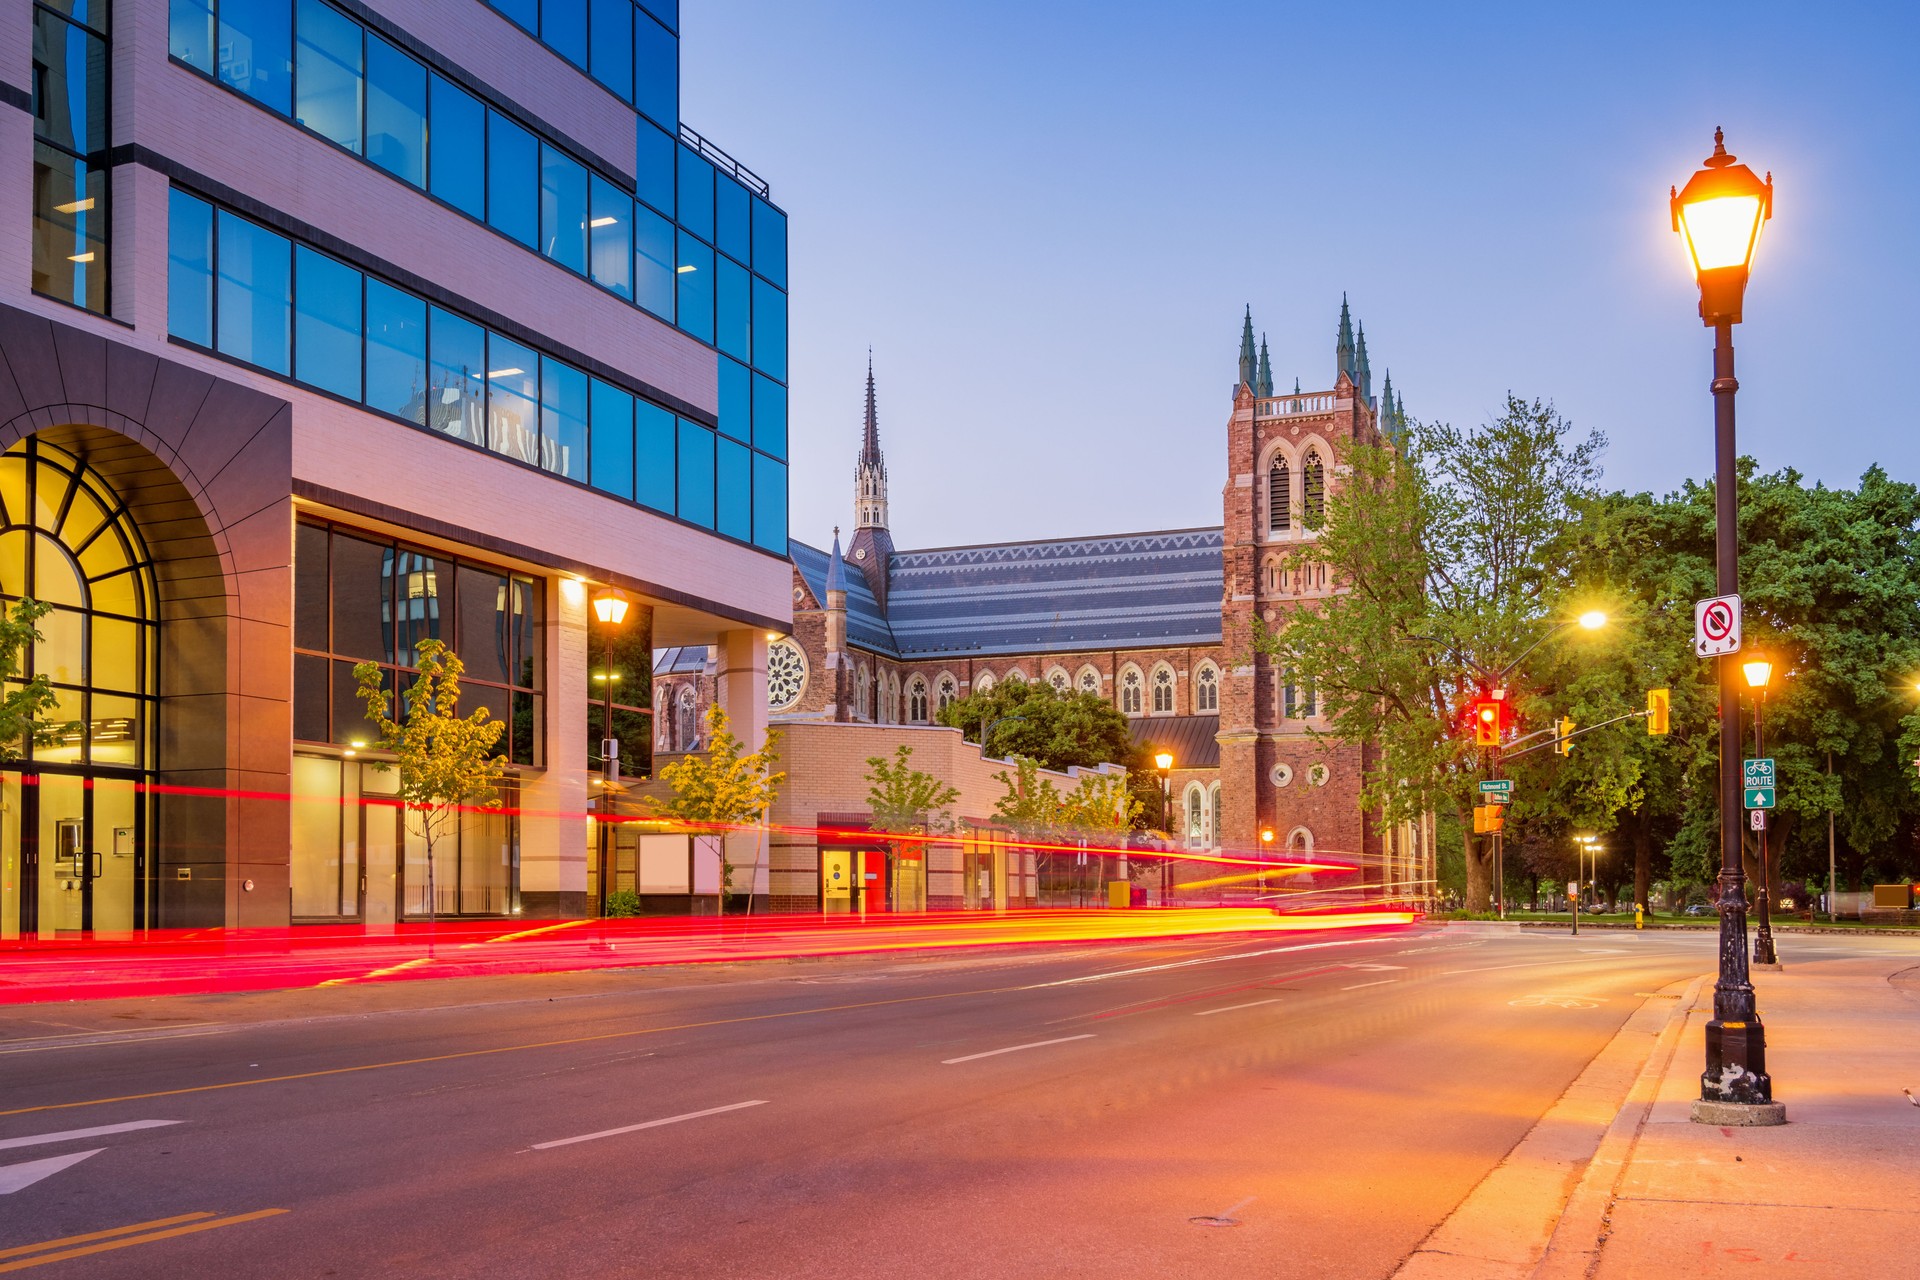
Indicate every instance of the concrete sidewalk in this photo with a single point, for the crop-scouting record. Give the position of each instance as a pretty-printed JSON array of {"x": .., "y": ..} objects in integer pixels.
[{"x": 1616, "y": 1181}]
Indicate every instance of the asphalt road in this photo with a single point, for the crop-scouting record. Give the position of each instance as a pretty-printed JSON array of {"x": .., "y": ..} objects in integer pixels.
[{"x": 1074, "y": 1111}]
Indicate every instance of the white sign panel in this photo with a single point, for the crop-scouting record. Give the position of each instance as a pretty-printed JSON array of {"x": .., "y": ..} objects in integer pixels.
[{"x": 1716, "y": 626}]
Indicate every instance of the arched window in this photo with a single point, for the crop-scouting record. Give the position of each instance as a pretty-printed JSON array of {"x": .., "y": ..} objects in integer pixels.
[
  {"x": 1089, "y": 681},
  {"x": 1289, "y": 696},
  {"x": 949, "y": 691},
  {"x": 1196, "y": 817},
  {"x": 863, "y": 693},
  {"x": 1058, "y": 679},
  {"x": 917, "y": 701},
  {"x": 1206, "y": 690},
  {"x": 1016, "y": 676},
  {"x": 1313, "y": 488},
  {"x": 1279, "y": 497},
  {"x": 688, "y": 716},
  {"x": 983, "y": 683},
  {"x": 1130, "y": 691},
  {"x": 1163, "y": 691},
  {"x": 1213, "y": 796}
]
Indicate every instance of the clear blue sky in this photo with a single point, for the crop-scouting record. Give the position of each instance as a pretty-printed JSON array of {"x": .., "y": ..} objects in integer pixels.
[{"x": 1046, "y": 218}]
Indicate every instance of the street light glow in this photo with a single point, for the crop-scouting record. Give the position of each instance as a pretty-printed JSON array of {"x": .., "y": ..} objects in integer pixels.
[
  {"x": 610, "y": 606},
  {"x": 1593, "y": 619},
  {"x": 1759, "y": 672},
  {"x": 1719, "y": 214},
  {"x": 1164, "y": 761}
]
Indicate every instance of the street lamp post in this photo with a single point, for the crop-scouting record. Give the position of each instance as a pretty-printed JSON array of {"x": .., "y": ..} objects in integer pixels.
[
  {"x": 1164, "y": 762},
  {"x": 1266, "y": 855},
  {"x": 610, "y": 608},
  {"x": 1759, "y": 674},
  {"x": 1719, "y": 216}
]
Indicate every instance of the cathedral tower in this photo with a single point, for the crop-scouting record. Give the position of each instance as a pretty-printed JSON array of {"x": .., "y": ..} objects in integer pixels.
[{"x": 872, "y": 545}]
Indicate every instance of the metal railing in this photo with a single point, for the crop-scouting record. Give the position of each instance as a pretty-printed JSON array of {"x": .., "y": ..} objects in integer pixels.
[
  {"x": 1290, "y": 406},
  {"x": 726, "y": 163}
]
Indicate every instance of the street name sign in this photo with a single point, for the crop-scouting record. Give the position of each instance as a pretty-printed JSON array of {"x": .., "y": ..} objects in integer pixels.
[
  {"x": 1758, "y": 780},
  {"x": 1497, "y": 791},
  {"x": 1716, "y": 626}
]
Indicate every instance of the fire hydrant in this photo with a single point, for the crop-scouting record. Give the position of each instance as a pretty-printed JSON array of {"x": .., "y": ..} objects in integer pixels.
[{"x": 1639, "y": 915}]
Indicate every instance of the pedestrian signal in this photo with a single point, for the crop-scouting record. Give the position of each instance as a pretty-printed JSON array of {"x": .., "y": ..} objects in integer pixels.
[
  {"x": 1657, "y": 703},
  {"x": 1562, "y": 742}
]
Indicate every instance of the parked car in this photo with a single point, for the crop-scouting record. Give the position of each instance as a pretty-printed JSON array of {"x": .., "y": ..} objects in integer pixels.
[{"x": 1696, "y": 909}]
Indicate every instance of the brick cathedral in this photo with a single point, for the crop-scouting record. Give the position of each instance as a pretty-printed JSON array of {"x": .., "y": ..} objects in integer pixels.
[{"x": 1157, "y": 623}]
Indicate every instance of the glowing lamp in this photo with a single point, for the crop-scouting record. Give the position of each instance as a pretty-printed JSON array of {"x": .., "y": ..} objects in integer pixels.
[
  {"x": 1759, "y": 672},
  {"x": 1719, "y": 214},
  {"x": 1266, "y": 835},
  {"x": 610, "y": 606},
  {"x": 1164, "y": 761},
  {"x": 1593, "y": 620}
]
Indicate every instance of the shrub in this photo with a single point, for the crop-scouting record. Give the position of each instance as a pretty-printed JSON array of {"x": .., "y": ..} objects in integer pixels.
[{"x": 621, "y": 903}]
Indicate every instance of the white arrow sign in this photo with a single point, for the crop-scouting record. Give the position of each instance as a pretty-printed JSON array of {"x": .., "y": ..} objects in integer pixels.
[{"x": 17, "y": 1177}]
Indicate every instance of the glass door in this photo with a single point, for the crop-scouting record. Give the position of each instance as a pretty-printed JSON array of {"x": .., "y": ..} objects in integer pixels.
[{"x": 114, "y": 870}]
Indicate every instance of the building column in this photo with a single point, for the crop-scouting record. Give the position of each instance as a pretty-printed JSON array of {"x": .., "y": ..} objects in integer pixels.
[
  {"x": 555, "y": 831},
  {"x": 741, "y": 686}
]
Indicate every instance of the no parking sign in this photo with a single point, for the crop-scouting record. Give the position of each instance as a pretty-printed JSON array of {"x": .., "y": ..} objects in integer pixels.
[{"x": 1716, "y": 626}]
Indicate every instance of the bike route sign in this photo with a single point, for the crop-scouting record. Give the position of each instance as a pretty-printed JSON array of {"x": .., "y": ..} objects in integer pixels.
[{"x": 1758, "y": 780}]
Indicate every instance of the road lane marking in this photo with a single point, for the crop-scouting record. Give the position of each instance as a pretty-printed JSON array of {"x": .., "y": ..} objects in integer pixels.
[
  {"x": 1380, "y": 968},
  {"x": 647, "y": 1124},
  {"x": 19, "y": 1249},
  {"x": 1014, "y": 1048},
  {"x": 67, "y": 1135},
  {"x": 21, "y": 1264},
  {"x": 1230, "y": 1008},
  {"x": 109, "y": 1031},
  {"x": 508, "y": 1048},
  {"x": 18, "y": 1177},
  {"x": 1378, "y": 982},
  {"x": 146, "y": 1037},
  {"x": 1182, "y": 964}
]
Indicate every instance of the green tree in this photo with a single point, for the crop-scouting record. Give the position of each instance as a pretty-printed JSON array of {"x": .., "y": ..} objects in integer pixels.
[
  {"x": 906, "y": 802},
  {"x": 444, "y": 758},
  {"x": 721, "y": 790},
  {"x": 1057, "y": 730},
  {"x": 1444, "y": 547},
  {"x": 24, "y": 705}
]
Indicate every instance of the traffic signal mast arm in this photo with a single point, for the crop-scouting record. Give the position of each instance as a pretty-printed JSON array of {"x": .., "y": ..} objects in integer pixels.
[{"x": 1631, "y": 715}]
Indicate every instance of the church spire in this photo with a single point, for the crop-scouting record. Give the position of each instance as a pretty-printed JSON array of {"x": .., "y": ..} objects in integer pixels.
[
  {"x": 1343, "y": 346},
  {"x": 1264, "y": 387},
  {"x": 1248, "y": 364},
  {"x": 870, "y": 472},
  {"x": 1363, "y": 374},
  {"x": 1384, "y": 419}
]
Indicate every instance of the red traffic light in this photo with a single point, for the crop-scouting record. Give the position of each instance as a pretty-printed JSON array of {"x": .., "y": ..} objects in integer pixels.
[{"x": 1489, "y": 718}]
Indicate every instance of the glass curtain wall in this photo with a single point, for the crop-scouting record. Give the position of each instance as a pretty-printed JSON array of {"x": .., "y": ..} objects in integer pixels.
[{"x": 70, "y": 183}]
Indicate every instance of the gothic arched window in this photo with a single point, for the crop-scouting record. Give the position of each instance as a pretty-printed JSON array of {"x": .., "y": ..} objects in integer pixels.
[
  {"x": 1130, "y": 690},
  {"x": 949, "y": 691},
  {"x": 1279, "y": 497},
  {"x": 863, "y": 693},
  {"x": 1313, "y": 488},
  {"x": 1089, "y": 681},
  {"x": 1196, "y": 817},
  {"x": 1206, "y": 690},
  {"x": 917, "y": 701},
  {"x": 689, "y": 719},
  {"x": 1058, "y": 679},
  {"x": 1213, "y": 794},
  {"x": 1163, "y": 691}
]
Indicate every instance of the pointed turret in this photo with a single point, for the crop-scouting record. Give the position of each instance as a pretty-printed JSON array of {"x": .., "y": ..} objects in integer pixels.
[
  {"x": 1343, "y": 345},
  {"x": 1296, "y": 386},
  {"x": 872, "y": 546},
  {"x": 1363, "y": 372},
  {"x": 1265, "y": 385},
  {"x": 1249, "y": 374},
  {"x": 1383, "y": 419},
  {"x": 836, "y": 571}
]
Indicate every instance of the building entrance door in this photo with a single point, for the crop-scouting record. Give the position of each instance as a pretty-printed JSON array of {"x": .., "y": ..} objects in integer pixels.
[{"x": 71, "y": 861}]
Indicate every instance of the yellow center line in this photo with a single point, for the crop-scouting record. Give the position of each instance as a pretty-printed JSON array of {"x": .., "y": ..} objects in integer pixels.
[
  {"x": 507, "y": 1048},
  {"x": 23, "y": 1263},
  {"x": 17, "y": 1250}
]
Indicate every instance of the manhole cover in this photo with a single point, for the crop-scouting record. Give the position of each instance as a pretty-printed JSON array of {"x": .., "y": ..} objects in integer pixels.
[{"x": 1210, "y": 1220}]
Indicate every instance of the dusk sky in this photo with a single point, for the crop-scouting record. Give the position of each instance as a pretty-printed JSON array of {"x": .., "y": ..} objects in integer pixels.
[{"x": 1046, "y": 218}]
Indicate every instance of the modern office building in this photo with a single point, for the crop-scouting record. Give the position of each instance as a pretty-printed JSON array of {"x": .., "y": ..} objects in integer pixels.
[{"x": 329, "y": 327}]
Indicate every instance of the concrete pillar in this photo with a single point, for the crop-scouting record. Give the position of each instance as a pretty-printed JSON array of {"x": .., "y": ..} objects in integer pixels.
[
  {"x": 554, "y": 829},
  {"x": 741, "y": 685}
]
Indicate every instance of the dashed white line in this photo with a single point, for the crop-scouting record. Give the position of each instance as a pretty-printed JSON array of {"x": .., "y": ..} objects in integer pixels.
[
  {"x": 648, "y": 1124},
  {"x": 71, "y": 1135},
  {"x": 1014, "y": 1048},
  {"x": 1230, "y": 1008},
  {"x": 1182, "y": 964},
  {"x": 1376, "y": 983}
]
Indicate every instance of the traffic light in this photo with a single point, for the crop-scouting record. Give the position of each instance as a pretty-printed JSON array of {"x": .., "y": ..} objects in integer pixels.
[
  {"x": 1561, "y": 745},
  {"x": 1486, "y": 723},
  {"x": 1657, "y": 701},
  {"x": 1488, "y": 818}
]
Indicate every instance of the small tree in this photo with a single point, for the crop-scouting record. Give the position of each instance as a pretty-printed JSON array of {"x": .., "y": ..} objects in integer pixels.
[
  {"x": 1101, "y": 804},
  {"x": 905, "y": 801},
  {"x": 24, "y": 703},
  {"x": 443, "y": 757},
  {"x": 724, "y": 788}
]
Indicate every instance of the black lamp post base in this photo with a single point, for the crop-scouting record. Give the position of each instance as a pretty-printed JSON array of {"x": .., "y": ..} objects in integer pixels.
[
  {"x": 1736, "y": 1071},
  {"x": 1743, "y": 1115}
]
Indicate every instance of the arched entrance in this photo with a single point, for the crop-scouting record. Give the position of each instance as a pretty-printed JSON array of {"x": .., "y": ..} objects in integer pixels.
[{"x": 74, "y": 807}]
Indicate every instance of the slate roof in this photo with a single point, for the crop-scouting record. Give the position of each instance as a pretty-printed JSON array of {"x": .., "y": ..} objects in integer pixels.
[
  {"x": 1119, "y": 591},
  {"x": 680, "y": 660},
  {"x": 1189, "y": 738}
]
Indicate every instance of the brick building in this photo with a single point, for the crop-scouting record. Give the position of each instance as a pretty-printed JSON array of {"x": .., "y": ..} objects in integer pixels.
[{"x": 1158, "y": 623}]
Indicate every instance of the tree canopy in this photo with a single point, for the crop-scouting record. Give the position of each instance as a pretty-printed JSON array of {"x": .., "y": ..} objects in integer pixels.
[{"x": 1033, "y": 719}]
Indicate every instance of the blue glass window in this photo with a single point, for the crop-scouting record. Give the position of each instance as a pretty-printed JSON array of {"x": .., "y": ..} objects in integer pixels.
[
  {"x": 770, "y": 242},
  {"x": 563, "y": 209},
  {"x": 456, "y": 394},
  {"x": 653, "y": 263},
  {"x": 189, "y": 268},
  {"x": 696, "y": 474},
  {"x": 326, "y": 323},
  {"x": 656, "y": 73},
  {"x": 668, "y": 11},
  {"x": 653, "y": 456},
  {"x": 563, "y": 419},
  {"x": 563, "y": 25},
  {"x": 254, "y": 312},
  {"x": 457, "y": 150},
  {"x": 524, "y": 12},
  {"x": 190, "y": 33},
  {"x": 610, "y": 236},
  {"x": 396, "y": 112},
  {"x": 769, "y": 416},
  {"x": 654, "y": 154},
  {"x": 770, "y": 504},
  {"x": 730, "y": 219},
  {"x": 736, "y": 399},
  {"x": 610, "y": 416},
  {"x": 256, "y": 50},
  {"x": 612, "y": 50},
  {"x": 733, "y": 326},
  {"x": 513, "y": 400},
  {"x": 513, "y": 167},
  {"x": 396, "y": 353},
  {"x": 769, "y": 329},
  {"x": 734, "y": 484},
  {"x": 693, "y": 273},
  {"x": 696, "y": 194},
  {"x": 329, "y": 63}
]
